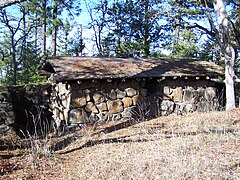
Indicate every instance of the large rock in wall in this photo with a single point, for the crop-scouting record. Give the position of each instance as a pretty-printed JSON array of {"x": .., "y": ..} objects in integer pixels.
[{"x": 61, "y": 99}]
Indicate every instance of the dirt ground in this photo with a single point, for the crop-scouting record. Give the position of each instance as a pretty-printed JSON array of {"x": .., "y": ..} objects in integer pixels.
[{"x": 194, "y": 146}]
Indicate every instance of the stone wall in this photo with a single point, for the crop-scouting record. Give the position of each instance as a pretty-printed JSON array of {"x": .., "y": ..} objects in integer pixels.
[
  {"x": 25, "y": 109},
  {"x": 181, "y": 100},
  {"x": 95, "y": 101},
  {"x": 72, "y": 104},
  {"x": 6, "y": 112},
  {"x": 189, "y": 95},
  {"x": 84, "y": 102}
]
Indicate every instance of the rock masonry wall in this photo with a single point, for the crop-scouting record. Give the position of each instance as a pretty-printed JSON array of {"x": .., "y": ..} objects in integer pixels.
[
  {"x": 182, "y": 100},
  {"x": 78, "y": 103},
  {"x": 31, "y": 107},
  {"x": 6, "y": 112},
  {"x": 181, "y": 96},
  {"x": 95, "y": 101},
  {"x": 25, "y": 109}
]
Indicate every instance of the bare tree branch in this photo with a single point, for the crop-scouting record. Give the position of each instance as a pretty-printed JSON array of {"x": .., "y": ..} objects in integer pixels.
[
  {"x": 236, "y": 32},
  {"x": 210, "y": 20},
  {"x": 236, "y": 3},
  {"x": 211, "y": 33},
  {"x": 97, "y": 37},
  {"x": 5, "y": 3}
]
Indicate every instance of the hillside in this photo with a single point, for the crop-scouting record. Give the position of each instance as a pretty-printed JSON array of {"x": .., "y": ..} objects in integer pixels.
[{"x": 195, "y": 146}]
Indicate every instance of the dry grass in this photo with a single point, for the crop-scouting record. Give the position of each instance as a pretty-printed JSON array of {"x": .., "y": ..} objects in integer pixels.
[{"x": 196, "y": 146}]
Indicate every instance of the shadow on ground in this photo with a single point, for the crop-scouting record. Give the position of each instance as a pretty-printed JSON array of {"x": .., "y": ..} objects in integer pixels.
[{"x": 155, "y": 129}]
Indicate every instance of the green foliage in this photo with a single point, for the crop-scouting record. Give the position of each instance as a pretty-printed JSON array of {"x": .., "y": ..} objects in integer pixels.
[
  {"x": 73, "y": 46},
  {"x": 19, "y": 51},
  {"x": 133, "y": 28},
  {"x": 185, "y": 50},
  {"x": 27, "y": 67},
  {"x": 187, "y": 45}
]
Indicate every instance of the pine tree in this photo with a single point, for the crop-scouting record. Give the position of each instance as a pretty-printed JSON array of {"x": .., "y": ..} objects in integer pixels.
[{"x": 133, "y": 28}]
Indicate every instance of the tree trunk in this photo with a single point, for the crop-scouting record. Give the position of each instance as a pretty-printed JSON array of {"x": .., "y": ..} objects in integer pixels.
[
  {"x": 81, "y": 40},
  {"x": 14, "y": 61},
  {"x": 54, "y": 30},
  {"x": 177, "y": 28},
  {"x": 36, "y": 33},
  {"x": 24, "y": 44},
  {"x": 227, "y": 51},
  {"x": 44, "y": 28},
  {"x": 146, "y": 29},
  {"x": 229, "y": 83}
]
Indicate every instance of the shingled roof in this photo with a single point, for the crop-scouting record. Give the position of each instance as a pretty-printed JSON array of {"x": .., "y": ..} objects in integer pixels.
[{"x": 73, "y": 68}]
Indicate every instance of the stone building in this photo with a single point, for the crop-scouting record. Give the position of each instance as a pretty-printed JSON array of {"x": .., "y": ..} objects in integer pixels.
[{"x": 93, "y": 90}]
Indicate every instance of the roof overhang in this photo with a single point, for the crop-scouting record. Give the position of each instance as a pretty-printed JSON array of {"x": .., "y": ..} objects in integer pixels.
[{"x": 77, "y": 68}]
